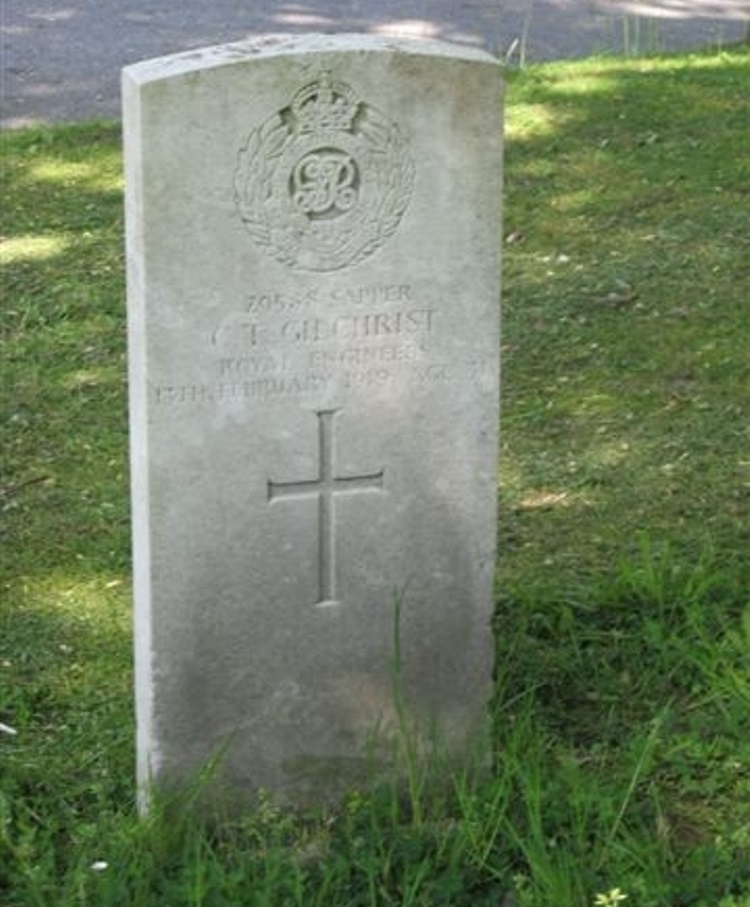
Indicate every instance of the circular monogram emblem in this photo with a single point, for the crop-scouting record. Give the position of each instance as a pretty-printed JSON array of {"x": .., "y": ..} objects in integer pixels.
[{"x": 325, "y": 181}]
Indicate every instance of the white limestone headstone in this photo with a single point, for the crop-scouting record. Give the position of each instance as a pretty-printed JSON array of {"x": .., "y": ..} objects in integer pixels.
[{"x": 313, "y": 235}]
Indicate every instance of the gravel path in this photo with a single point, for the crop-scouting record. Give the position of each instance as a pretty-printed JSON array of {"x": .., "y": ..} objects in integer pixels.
[{"x": 61, "y": 58}]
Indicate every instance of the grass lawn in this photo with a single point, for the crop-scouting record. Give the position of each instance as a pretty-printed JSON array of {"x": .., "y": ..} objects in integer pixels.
[{"x": 622, "y": 709}]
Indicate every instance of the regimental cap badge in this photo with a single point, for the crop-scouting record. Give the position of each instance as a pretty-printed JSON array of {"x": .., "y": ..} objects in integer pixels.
[
  {"x": 324, "y": 181},
  {"x": 324, "y": 106}
]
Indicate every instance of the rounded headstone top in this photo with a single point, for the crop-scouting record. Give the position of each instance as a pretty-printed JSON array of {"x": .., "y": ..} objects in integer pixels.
[{"x": 295, "y": 45}]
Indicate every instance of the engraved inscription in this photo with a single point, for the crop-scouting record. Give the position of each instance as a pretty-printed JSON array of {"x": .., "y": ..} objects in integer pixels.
[
  {"x": 321, "y": 341},
  {"x": 325, "y": 487},
  {"x": 325, "y": 181},
  {"x": 323, "y": 372},
  {"x": 357, "y": 327}
]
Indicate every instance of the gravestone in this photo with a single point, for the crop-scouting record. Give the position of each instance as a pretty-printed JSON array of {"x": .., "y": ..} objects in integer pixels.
[{"x": 313, "y": 291}]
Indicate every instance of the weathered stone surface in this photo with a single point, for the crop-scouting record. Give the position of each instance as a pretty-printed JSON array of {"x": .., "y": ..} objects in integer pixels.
[{"x": 313, "y": 293}]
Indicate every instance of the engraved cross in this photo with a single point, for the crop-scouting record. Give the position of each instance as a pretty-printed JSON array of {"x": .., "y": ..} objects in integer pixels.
[{"x": 325, "y": 487}]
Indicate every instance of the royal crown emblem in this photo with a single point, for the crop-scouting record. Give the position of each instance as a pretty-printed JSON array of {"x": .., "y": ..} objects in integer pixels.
[
  {"x": 323, "y": 183},
  {"x": 324, "y": 105}
]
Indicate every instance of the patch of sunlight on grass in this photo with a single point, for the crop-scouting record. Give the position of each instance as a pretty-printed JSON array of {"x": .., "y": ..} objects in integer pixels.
[
  {"x": 511, "y": 477},
  {"x": 611, "y": 69},
  {"x": 598, "y": 404},
  {"x": 515, "y": 491},
  {"x": 603, "y": 76},
  {"x": 31, "y": 247},
  {"x": 612, "y": 454},
  {"x": 532, "y": 120},
  {"x": 92, "y": 377},
  {"x": 586, "y": 82},
  {"x": 82, "y": 599},
  {"x": 545, "y": 499},
  {"x": 94, "y": 175},
  {"x": 682, "y": 62},
  {"x": 582, "y": 199}
]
